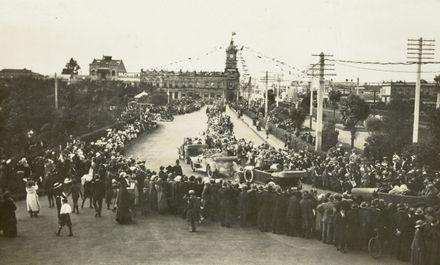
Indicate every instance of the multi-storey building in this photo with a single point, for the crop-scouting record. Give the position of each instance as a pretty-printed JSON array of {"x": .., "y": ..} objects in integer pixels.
[
  {"x": 406, "y": 91},
  {"x": 106, "y": 68},
  {"x": 205, "y": 84}
]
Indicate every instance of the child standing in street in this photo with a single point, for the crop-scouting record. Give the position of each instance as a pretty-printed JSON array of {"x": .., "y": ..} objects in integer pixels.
[{"x": 65, "y": 217}]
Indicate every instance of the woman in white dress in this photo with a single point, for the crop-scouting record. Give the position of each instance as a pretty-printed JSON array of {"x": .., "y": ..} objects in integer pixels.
[{"x": 32, "y": 202}]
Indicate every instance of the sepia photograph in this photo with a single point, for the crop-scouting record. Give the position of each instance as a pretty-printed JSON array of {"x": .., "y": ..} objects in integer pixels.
[{"x": 231, "y": 132}]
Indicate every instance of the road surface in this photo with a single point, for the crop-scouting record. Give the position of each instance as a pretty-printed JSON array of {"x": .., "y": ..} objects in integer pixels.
[{"x": 163, "y": 239}]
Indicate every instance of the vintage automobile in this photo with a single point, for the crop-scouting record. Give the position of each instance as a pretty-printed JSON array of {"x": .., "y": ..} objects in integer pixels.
[
  {"x": 187, "y": 150},
  {"x": 412, "y": 201},
  {"x": 283, "y": 178},
  {"x": 216, "y": 165}
]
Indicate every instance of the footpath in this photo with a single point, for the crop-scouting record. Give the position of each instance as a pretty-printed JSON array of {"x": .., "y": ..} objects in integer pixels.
[{"x": 272, "y": 140}]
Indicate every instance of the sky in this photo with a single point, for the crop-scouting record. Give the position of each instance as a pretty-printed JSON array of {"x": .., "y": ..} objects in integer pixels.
[{"x": 44, "y": 35}]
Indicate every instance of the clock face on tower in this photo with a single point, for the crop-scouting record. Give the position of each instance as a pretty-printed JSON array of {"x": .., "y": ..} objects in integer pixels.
[{"x": 231, "y": 56}]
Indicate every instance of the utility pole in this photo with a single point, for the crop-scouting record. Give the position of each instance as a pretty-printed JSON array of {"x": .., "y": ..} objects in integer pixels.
[
  {"x": 424, "y": 50},
  {"x": 56, "y": 91},
  {"x": 266, "y": 80},
  {"x": 278, "y": 90},
  {"x": 319, "y": 114},
  {"x": 311, "y": 96},
  {"x": 374, "y": 103},
  {"x": 266, "y": 94}
]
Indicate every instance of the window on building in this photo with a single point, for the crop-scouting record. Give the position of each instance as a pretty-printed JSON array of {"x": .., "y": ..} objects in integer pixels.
[
  {"x": 212, "y": 95},
  {"x": 206, "y": 95},
  {"x": 93, "y": 72},
  {"x": 113, "y": 73}
]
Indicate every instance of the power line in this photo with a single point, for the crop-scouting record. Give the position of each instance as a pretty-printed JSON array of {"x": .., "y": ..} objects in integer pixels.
[
  {"x": 379, "y": 63},
  {"x": 384, "y": 70}
]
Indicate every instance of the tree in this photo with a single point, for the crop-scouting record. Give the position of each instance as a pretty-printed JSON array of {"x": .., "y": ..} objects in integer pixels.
[
  {"x": 71, "y": 68},
  {"x": 391, "y": 134},
  {"x": 297, "y": 116},
  {"x": 434, "y": 126},
  {"x": 305, "y": 100},
  {"x": 397, "y": 124},
  {"x": 334, "y": 96},
  {"x": 437, "y": 84},
  {"x": 353, "y": 110},
  {"x": 373, "y": 125},
  {"x": 329, "y": 136}
]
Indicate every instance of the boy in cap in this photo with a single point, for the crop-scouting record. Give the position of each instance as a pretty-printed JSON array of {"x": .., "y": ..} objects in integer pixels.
[{"x": 65, "y": 217}]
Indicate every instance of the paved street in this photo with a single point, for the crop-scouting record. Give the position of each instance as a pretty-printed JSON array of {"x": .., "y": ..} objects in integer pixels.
[{"x": 163, "y": 239}]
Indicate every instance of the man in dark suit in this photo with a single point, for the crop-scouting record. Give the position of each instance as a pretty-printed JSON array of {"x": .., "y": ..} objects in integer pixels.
[
  {"x": 98, "y": 194},
  {"x": 192, "y": 209},
  {"x": 177, "y": 169}
]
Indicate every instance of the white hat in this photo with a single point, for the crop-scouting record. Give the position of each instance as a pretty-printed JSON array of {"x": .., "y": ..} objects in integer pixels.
[{"x": 67, "y": 180}]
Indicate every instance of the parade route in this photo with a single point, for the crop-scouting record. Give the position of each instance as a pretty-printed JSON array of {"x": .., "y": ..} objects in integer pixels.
[{"x": 163, "y": 239}]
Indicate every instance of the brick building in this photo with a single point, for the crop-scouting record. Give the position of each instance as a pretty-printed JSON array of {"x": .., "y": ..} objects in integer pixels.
[
  {"x": 205, "y": 84},
  {"x": 406, "y": 91}
]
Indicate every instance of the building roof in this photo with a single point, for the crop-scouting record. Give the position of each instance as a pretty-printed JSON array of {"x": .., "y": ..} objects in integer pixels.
[
  {"x": 18, "y": 72},
  {"x": 107, "y": 62},
  {"x": 181, "y": 73}
]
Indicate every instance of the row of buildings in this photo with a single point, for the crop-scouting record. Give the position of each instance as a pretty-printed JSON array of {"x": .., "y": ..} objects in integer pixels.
[
  {"x": 218, "y": 84},
  {"x": 370, "y": 92},
  {"x": 213, "y": 84}
]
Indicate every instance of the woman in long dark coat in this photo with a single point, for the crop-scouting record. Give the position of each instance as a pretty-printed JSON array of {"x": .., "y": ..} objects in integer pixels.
[
  {"x": 9, "y": 220},
  {"x": 123, "y": 214},
  {"x": 306, "y": 206},
  {"x": 431, "y": 240},
  {"x": 341, "y": 229},
  {"x": 265, "y": 210},
  {"x": 417, "y": 247},
  {"x": 293, "y": 215}
]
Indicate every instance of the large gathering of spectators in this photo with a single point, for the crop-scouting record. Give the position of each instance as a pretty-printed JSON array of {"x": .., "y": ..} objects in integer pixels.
[{"x": 127, "y": 186}]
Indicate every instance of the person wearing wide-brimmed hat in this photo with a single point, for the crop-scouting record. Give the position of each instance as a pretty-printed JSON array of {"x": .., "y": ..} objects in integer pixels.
[
  {"x": 417, "y": 247},
  {"x": 402, "y": 232},
  {"x": 123, "y": 214}
]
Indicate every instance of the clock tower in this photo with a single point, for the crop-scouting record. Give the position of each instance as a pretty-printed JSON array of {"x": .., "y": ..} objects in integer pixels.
[
  {"x": 232, "y": 76},
  {"x": 231, "y": 58}
]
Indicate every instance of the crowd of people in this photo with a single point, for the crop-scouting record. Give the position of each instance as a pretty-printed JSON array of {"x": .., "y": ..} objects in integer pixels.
[
  {"x": 101, "y": 173},
  {"x": 79, "y": 169}
]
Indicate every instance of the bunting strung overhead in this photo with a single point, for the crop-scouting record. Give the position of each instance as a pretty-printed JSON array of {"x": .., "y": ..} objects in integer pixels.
[
  {"x": 283, "y": 66},
  {"x": 193, "y": 58}
]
